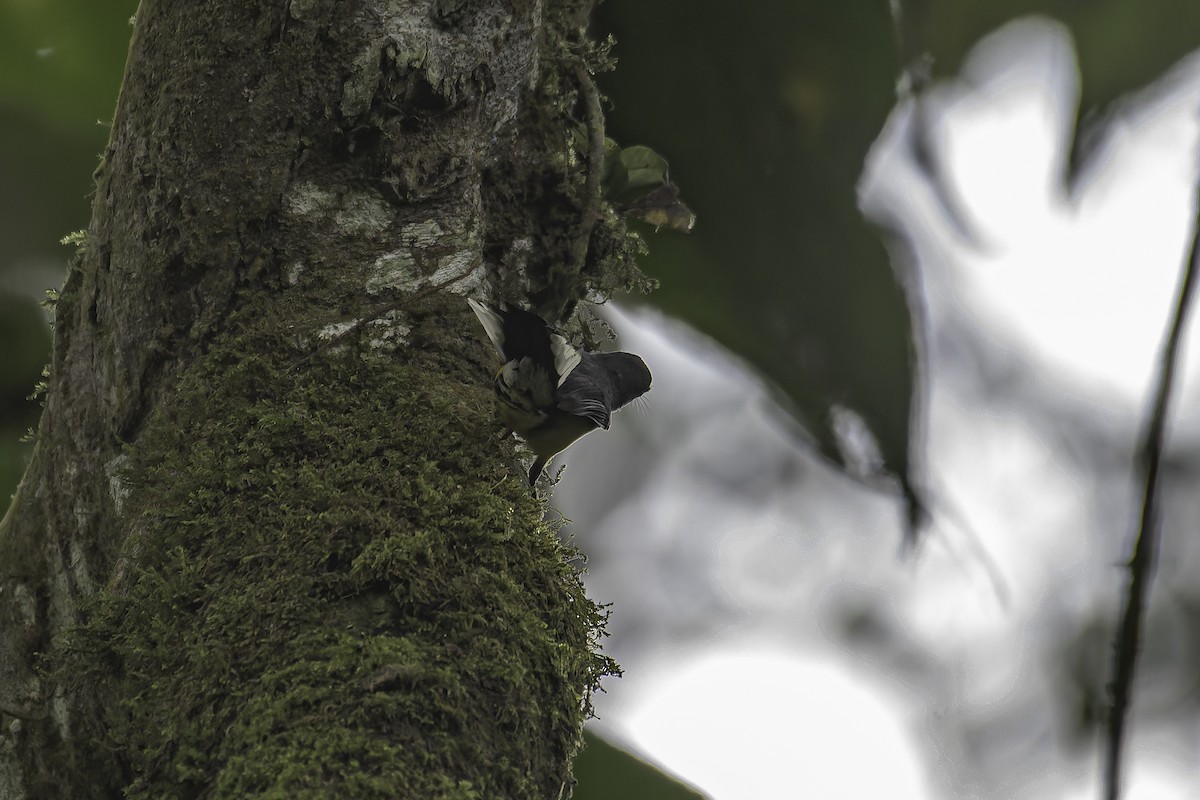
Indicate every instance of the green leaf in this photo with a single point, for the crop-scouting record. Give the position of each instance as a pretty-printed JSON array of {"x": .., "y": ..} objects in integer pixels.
[{"x": 642, "y": 168}]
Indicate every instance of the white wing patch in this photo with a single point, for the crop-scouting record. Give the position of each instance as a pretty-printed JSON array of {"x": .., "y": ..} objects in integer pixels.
[
  {"x": 492, "y": 324},
  {"x": 566, "y": 359}
]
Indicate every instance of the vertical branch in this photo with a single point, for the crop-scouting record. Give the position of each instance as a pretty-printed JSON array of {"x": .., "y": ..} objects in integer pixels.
[
  {"x": 592, "y": 191},
  {"x": 1145, "y": 549}
]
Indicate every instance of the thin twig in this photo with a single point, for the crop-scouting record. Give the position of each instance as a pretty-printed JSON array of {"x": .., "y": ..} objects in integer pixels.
[
  {"x": 592, "y": 187},
  {"x": 595, "y": 125},
  {"x": 1145, "y": 549}
]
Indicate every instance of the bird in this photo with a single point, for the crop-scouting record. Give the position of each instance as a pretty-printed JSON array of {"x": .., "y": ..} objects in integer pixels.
[{"x": 549, "y": 392}]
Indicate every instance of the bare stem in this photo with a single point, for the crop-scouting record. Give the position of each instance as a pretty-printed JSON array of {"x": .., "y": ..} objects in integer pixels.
[
  {"x": 1145, "y": 550},
  {"x": 592, "y": 190}
]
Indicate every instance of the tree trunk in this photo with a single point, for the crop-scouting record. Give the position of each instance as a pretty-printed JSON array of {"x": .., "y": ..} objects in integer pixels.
[{"x": 261, "y": 551}]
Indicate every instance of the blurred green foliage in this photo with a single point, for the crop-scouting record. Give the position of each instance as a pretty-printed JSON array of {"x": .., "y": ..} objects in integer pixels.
[
  {"x": 61, "y": 60},
  {"x": 766, "y": 115},
  {"x": 766, "y": 112},
  {"x": 1122, "y": 45},
  {"x": 605, "y": 772},
  {"x": 60, "y": 68},
  {"x": 25, "y": 341}
]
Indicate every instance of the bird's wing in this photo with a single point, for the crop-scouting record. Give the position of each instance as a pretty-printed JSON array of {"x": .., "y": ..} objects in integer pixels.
[
  {"x": 580, "y": 395},
  {"x": 492, "y": 322},
  {"x": 566, "y": 357}
]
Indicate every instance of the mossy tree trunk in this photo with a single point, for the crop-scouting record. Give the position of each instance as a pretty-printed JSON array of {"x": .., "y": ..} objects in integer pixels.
[{"x": 251, "y": 557}]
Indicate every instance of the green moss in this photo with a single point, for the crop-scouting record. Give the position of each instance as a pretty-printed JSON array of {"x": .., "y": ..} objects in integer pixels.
[{"x": 342, "y": 589}]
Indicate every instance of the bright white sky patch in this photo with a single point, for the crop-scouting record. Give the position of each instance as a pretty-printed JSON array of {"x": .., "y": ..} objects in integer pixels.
[
  {"x": 748, "y": 725},
  {"x": 1087, "y": 286}
]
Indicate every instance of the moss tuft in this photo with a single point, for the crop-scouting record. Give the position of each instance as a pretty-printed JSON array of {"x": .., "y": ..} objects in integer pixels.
[{"x": 340, "y": 589}]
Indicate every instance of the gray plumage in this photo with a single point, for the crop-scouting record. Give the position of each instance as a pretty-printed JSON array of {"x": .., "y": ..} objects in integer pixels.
[{"x": 549, "y": 392}]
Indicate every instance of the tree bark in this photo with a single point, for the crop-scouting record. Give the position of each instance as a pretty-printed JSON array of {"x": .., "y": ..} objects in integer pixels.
[{"x": 244, "y": 562}]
